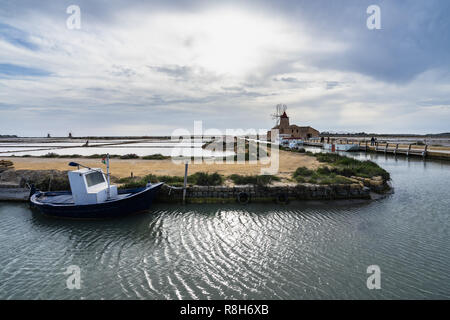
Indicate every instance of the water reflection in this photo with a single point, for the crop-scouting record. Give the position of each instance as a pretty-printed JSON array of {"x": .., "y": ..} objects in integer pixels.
[{"x": 303, "y": 250}]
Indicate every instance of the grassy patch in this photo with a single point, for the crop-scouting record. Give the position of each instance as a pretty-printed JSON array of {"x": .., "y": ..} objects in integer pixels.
[
  {"x": 156, "y": 156},
  {"x": 347, "y": 167},
  {"x": 206, "y": 179},
  {"x": 130, "y": 156},
  {"x": 255, "y": 180},
  {"x": 50, "y": 155},
  {"x": 322, "y": 175},
  {"x": 303, "y": 171},
  {"x": 198, "y": 178}
]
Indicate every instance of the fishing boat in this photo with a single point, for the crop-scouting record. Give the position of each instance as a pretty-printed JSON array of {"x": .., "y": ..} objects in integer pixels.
[
  {"x": 92, "y": 196},
  {"x": 341, "y": 147}
]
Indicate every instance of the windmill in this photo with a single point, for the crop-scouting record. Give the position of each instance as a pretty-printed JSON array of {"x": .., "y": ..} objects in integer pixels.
[{"x": 281, "y": 108}]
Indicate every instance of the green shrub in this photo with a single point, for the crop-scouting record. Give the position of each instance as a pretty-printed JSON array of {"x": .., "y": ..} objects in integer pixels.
[
  {"x": 199, "y": 178},
  {"x": 50, "y": 155},
  {"x": 96, "y": 156},
  {"x": 129, "y": 156},
  {"x": 323, "y": 175},
  {"x": 156, "y": 156},
  {"x": 324, "y": 170},
  {"x": 100, "y": 156},
  {"x": 166, "y": 179},
  {"x": 206, "y": 179},
  {"x": 255, "y": 180},
  {"x": 71, "y": 156},
  {"x": 134, "y": 184},
  {"x": 303, "y": 171},
  {"x": 347, "y": 167}
]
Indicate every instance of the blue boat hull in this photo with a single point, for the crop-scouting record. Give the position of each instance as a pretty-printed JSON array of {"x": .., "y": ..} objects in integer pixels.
[{"x": 136, "y": 200}]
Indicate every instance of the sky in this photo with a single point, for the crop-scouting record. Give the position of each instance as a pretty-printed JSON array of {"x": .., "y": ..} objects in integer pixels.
[{"x": 151, "y": 67}]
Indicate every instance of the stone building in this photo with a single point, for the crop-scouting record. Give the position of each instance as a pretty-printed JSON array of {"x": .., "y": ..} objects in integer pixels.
[{"x": 292, "y": 131}]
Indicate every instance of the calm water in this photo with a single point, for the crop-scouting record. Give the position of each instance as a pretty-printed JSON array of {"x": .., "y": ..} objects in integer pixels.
[
  {"x": 298, "y": 251},
  {"x": 141, "y": 147}
]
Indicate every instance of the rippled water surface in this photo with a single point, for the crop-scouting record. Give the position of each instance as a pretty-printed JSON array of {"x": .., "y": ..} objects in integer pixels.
[{"x": 303, "y": 250}]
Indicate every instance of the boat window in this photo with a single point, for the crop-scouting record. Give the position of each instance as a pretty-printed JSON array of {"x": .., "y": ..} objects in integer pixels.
[{"x": 94, "y": 178}]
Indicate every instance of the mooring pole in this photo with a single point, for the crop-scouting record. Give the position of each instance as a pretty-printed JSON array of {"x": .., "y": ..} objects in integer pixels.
[
  {"x": 185, "y": 182},
  {"x": 107, "y": 173}
]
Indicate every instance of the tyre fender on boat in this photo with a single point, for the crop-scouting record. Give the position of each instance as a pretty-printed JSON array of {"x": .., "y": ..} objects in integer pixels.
[{"x": 243, "y": 197}]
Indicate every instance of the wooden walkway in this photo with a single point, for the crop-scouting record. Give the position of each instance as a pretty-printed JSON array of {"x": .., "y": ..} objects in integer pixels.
[{"x": 391, "y": 148}]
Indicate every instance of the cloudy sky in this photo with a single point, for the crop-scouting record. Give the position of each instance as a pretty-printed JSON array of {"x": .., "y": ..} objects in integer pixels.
[{"x": 149, "y": 67}]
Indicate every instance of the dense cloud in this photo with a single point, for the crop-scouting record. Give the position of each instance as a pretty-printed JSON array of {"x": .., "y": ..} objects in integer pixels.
[{"x": 143, "y": 67}]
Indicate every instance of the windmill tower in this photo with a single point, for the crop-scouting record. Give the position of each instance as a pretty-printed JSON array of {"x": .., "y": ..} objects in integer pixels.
[{"x": 280, "y": 110}]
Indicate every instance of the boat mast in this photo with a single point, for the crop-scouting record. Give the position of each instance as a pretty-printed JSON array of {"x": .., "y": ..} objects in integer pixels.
[{"x": 107, "y": 174}]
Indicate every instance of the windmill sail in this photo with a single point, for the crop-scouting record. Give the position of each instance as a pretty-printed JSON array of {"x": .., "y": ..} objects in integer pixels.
[{"x": 280, "y": 109}]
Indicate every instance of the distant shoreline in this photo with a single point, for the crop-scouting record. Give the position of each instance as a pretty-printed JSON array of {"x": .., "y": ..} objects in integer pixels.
[{"x": 166, "y": 137}]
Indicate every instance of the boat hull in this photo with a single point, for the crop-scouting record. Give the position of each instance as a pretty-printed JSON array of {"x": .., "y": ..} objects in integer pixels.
[{"x": 139, "y": 200}]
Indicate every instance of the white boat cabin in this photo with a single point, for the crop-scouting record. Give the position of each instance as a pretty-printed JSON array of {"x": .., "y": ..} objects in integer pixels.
[{"x": 90, "y": 186}]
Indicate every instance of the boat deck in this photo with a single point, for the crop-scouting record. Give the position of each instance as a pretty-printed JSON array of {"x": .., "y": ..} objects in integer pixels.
[{"x": 67, "y": 199}]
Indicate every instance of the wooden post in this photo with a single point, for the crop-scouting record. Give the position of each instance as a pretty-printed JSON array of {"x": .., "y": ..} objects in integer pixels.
[
  {"x": 185, "y": 182},
  {"x": 409, "y": 150},
  {"x": 385, "y": 148},
  {"x": 107, "y": 173},
  {"x": 396, "y": 149}
]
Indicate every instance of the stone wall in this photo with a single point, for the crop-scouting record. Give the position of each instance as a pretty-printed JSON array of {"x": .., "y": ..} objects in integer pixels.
[
  {"x": 13, "y": 183},
  {"x": 222, "y": 194}
]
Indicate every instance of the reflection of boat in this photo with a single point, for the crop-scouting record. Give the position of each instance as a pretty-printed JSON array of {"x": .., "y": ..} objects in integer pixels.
[
  {"x": 341, "y": 147},
  {"x": 92, "y": 197}
]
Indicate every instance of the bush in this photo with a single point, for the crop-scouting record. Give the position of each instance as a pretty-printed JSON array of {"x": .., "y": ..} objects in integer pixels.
[
  {"x": 348, "y": 167},
  {"x": 129, "y": 156},
  {"x": 206, "y": 179},
  {"x": 100, "y": 156},
  {"x": 303, "y": 171},
  {"x": 323, "y": 175},
  {"x": 324, "y": 171},
  {"x": 255, "y": 180},
  {"x": 96, "y": 156},
  {"x": 134, "y": 184},
  {"x": 70, "y": 156},
  {"x": 199, "y": 178},
  {"x": 156, "y": 156},
  {"x": 50, "y": 155}
]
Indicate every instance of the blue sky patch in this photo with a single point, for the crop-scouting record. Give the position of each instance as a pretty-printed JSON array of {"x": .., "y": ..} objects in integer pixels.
[
  {"x": 8, "y": 69},
  {"x": 16, "y": 37}
]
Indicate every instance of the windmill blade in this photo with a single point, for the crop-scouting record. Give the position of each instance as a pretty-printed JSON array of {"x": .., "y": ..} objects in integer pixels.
[{"x": 278, "y": 109}]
